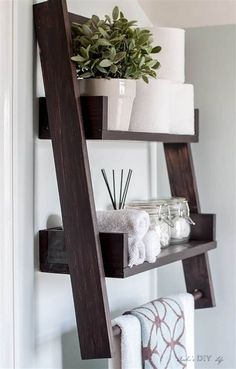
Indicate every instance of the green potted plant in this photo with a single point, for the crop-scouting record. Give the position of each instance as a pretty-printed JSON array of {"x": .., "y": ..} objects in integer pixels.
[{"x": 110, "y": 55}]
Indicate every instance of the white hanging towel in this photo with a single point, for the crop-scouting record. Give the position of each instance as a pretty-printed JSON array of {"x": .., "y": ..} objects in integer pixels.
[
  {"x": 172, "y": 54},
  {"x": 130, "y": 356},
  {"x": 182, "y": 109},
  {"x": 151, "y": 109},
  {"x": 167, "y": 329}
]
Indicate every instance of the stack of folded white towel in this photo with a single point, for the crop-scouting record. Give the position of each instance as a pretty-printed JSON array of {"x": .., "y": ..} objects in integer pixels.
[
  {"x": 144, "y": 244},
  {"x": 166, "y": 104}
]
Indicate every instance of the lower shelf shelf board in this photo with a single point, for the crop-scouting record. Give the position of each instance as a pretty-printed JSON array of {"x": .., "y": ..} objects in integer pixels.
[{"x": 53, "y": 257}]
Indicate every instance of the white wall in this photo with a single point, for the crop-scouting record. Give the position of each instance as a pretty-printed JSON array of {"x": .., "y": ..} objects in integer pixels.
[
  {"x": 6, "y": 200},
  {"x": 190, "y": 13},
  {"x": 211, "y": 61},
  {"x": 56, "y": 338}
]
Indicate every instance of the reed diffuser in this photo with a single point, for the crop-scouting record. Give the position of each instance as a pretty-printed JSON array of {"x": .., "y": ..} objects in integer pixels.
[{"x": 118, "y": 203}]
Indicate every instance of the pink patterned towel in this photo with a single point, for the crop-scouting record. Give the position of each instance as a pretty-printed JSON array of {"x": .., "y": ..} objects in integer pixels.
[{"x": 167, "y": 327}]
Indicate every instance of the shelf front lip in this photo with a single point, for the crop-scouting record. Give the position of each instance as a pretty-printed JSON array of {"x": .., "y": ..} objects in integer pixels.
[
  {"x": 200, "y": 248},
  {"x": 145, "y": 136},
  {"x": 169, "y": 255},
  {"x": 108, "y": 135},
  {"x": 95, "y": 124}
]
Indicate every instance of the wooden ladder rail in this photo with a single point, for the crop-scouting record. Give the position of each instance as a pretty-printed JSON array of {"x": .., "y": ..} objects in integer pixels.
[
  {"x": 53, "y": 30},
  {"x": 183, "y": 184}
]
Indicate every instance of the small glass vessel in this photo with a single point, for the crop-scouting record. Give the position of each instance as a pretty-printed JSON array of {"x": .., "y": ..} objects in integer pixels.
[
  {"x": 180, "y": 218},
  {"x": 159, "y": 218}
]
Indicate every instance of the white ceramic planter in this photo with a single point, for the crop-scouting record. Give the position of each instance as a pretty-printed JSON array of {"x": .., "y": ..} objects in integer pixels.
[
  {"x": 151, "y": 110},
  {"x": 120, "y": 93}
]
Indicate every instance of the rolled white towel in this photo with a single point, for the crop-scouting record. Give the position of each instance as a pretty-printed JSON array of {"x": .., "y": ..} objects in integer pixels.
[
  {"x": 152, "y": 246},
  {"x": 134, "y": 222},
  {"x": 137, "y": 252}
]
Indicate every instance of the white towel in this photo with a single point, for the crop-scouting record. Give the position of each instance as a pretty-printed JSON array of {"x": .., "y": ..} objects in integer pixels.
[
  {"x": 131, "y": 357},
  {"x": 151, "y": 109},
  {"x": 134, "y": 222},
  {"x": 167, "y": 329},
  {"x": 182, "y": 109},
  {"x": 152, "y": 246},
  {"x": 171, "y": 57},
  {"x": 137, "y": 252}
]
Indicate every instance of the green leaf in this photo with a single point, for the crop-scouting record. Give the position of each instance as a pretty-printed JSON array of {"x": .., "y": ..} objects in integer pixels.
[
  {"x": 84, "y": 41},
  {"x": 151, "y": 63},
  {"x": 157, "y": 65},
  {"x": 103, "y": 42},
  {"x": 101, "y": 69},
  {"x": 84, "y": 52},
  {"x": 95, "y": 37},
  {"x": 145, "y": 79},
  {"x": 103, "y": 32},
  {"x": 115, "y": 13},
  {"x": 143, "y": 38},
  {"x": 131, "y": 23},
  {"x": 78, "y": 58},
  {"x": 108, "y": 19},
  {"x": 142, "y": 61},
  {"x": 101, "y": 23},
  {"x": 113, "y": 68},
  {"x": 152, "y": 73},
  {"x": 156, "y": 50},
  {"x": 112, "y": 53},
  {"x": 145, "y": 31},
  {"x": 87, "y": 31},
  {"x": 105, "y": 63},
  {"x": 119, "y": 56},
  {"x": 131, "y": 44},
  {"x": 86, "y": 75},
  {"x": 95, "y": 19}
]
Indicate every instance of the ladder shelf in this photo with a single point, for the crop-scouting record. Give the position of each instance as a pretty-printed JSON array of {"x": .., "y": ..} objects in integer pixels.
[{"x": 72, "y": 120}]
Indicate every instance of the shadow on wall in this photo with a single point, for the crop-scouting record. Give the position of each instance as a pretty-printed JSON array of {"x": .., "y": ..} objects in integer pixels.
[{"x": 71, "y": 354}]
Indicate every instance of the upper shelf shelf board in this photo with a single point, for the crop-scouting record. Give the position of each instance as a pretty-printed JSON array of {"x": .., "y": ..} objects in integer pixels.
[{"x": 94, "y": 111}]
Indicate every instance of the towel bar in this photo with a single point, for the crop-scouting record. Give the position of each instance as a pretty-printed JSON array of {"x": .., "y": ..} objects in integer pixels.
[{"x": 197, "y": 294}]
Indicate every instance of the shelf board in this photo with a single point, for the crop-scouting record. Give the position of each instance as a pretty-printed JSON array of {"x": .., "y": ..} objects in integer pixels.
[
  {"x": 171, "y": 254},
  {"x": 94, "y": 111},
  {"x": 53, "y": 257}
]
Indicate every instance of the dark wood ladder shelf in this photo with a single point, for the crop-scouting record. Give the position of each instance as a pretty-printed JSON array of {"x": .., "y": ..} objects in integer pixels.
[
  {"x": 79, "y": 248},
  {"x": 94, "y": 111}
]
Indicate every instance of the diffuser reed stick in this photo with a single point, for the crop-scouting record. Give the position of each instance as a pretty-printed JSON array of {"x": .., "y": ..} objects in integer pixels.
[
  {"x": 123, "y": 191},
  {"x": 108, "y": 187}
]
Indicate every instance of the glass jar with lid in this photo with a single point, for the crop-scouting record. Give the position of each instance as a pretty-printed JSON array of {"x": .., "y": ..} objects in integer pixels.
[
  {"x": 159, "y": 218},
  {"x": 180, "y": 219}
]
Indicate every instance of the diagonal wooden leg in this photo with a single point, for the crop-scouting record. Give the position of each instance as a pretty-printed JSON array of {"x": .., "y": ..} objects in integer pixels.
[
  {"x": 53, "y": 31},
  {"x": 198, "y": 276},
  {"x": 183, "y": 184}
]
